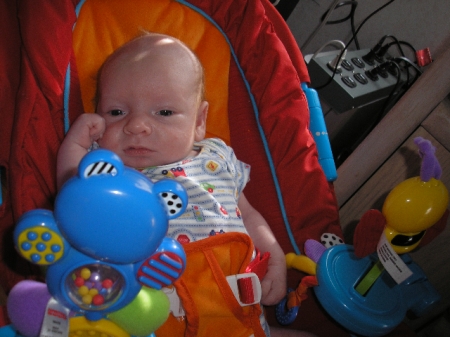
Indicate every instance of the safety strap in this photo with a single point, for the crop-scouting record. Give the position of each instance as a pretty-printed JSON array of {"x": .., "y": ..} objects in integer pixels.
[{"x": 248, "y": 284}]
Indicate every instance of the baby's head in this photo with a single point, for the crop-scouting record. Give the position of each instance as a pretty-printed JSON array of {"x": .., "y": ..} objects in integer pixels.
[{"x": 150, "y": 92}]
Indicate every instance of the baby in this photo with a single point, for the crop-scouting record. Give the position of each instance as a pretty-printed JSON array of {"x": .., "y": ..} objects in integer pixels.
[{"x": 151, "y": 111}]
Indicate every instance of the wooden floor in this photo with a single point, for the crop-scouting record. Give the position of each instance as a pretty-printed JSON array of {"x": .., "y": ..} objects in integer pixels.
[{"x": 440, "y": 327}]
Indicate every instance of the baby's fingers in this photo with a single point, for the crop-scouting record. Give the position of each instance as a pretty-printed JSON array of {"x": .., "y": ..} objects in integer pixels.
[
  {"x": 272, "y": 292},
  {"x": 96, "y": 127}
]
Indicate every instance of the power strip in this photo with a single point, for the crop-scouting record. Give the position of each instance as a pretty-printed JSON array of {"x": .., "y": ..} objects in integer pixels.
[{"x": 354, "y": 86}]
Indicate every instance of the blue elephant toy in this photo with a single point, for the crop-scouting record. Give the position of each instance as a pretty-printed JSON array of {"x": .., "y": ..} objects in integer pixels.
[{"x": 104, "y": 248}]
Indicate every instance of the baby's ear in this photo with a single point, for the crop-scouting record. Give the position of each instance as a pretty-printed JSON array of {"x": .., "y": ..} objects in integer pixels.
[{"x": 200, "y": 127}]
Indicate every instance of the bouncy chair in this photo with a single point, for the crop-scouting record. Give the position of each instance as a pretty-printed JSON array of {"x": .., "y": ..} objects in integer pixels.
[{"x": 260, "y": 104}]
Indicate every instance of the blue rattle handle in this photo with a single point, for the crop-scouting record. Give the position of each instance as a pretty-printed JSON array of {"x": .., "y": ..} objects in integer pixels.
[
  {"x": 319, "y": 131},
  {"x": 284, "y": 315}
]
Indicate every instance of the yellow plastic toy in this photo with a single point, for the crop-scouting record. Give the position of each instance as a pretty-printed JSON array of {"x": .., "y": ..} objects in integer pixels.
[{"x": 412, "y": 207}]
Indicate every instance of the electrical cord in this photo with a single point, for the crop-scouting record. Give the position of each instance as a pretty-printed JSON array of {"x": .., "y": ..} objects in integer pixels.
[
  {"x": 350, "y": 16},
  {"x": 337, "y": 43},
  {"x": 378, "y": 51},
  {"x": 337, "y": 61},
  {"x": 384, "y": 49},
  {"x": 351, "y": 40},
  {"x": 353, "y": 3},
  {"x": 323, "y": 23},
  {"x": 412, "y": 64},
  {"x": 390, "y": 99},
  {"x": 345, "y": 152},
  {"x": 383, "y": 110},
  {"x": 396, "y": 62},
  {"x": 409, "y": 64},
  {"x": 352, "y": 25},
  {"x": 399, "y": 44}
]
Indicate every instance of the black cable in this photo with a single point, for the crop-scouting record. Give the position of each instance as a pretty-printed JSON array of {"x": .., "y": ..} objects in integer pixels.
[
  {"x": 409, "y": 64},
  {"x": 384, "y": 49},
  {"x": 412, "y": 64},
  {"x": 399, "y": 44},
  {"x": 350, "y": 16},
  {"x": 382, "y": 111},
  {"x": 391, "y": 94},
  {"x": 409, "y": 45},
  {"x": 396, "y": 62},
  {"x": 379, "y": 50},
  {"x": 351, "y": 40},
  {"x": 352, "y": 24},
  {"x": 341, "y": 4}
]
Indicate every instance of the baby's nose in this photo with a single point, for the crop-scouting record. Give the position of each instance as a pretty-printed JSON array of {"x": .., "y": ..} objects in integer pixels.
[{"x": 138, "y": 125}]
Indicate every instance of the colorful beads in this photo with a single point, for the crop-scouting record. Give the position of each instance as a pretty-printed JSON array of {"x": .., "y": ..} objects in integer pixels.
[
  {"x": 98, "y": 300},
  {"x": 85, "y": 273},
  {"x": 83, "y": 290},
  {"x": 107, "y": 283},
  {"x": 93, "y": 285}
]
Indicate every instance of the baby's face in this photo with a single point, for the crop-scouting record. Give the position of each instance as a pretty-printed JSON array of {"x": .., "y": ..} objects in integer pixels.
[{"x": 152, "y": 110}]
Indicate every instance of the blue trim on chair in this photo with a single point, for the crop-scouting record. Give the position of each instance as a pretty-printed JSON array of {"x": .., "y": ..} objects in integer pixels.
[
  {"x": 67, "y": 80},
  {"x": 261, "y": 131},
  {"x": 66, "y": 99},
  {"x": 78, "y": 8}
]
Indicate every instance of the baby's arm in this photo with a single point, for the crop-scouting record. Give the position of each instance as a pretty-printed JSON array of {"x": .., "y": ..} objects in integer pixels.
[
  {"x": 274, "y": 283},
  {"x": 86, "y": 129}
]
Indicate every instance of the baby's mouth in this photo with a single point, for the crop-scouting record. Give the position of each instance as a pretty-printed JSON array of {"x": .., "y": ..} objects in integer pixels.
[{"x": 137, "y": 151}]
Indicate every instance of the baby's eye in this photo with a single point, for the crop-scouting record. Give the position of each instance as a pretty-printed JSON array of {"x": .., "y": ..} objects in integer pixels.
[
  {"x": 116, "y": 112},
  {"x": 165, "y": 112}
]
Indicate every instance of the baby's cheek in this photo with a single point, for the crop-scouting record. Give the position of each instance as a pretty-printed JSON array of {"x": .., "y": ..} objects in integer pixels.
[{"x": 108, "y": 141}]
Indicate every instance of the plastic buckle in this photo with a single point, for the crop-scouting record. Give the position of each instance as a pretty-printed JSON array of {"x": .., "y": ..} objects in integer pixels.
[
  {"x": 233, "y": 281},
  {"x": 175, "y": 303}
]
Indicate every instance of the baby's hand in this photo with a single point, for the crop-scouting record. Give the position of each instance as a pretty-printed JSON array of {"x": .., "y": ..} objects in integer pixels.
[
  {"x": 274, "y": 282},
  {"x": 87, "y": 128}
]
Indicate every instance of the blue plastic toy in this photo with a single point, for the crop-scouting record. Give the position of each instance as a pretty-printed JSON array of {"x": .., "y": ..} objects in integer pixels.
[
  {"x": 105, "y": 240},
  {"x": 384, "y": 306},
  {"x": 370, "y": 293},
  {"x": 319, "y": 131},
  {"x": 355, "y": 288}
]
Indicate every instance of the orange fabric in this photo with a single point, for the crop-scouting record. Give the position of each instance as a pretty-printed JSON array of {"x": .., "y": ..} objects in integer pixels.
[
  {"x": 207, "y": 299},
  {"x": 97, "y": 35},
  {"x": 296, "y": 297}
]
